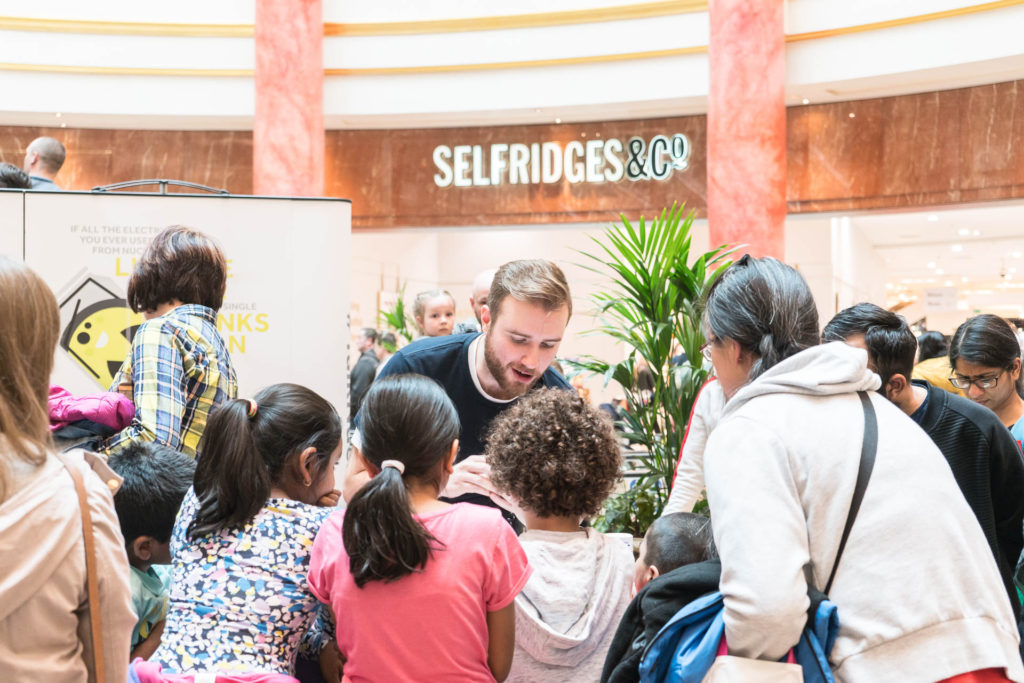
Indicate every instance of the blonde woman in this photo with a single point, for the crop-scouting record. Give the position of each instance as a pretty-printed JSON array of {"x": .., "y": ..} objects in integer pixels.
[{"x": 45, "y": 632}]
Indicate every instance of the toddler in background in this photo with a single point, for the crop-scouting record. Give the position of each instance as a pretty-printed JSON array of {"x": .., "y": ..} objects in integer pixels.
[
  {"x": 156, "y": 479},
  {"x": 434, "y": 311},
  {"x": 558, "y": 459},
  {"x": 422, "y": 590},
  {"x": 677, "y": 564}
]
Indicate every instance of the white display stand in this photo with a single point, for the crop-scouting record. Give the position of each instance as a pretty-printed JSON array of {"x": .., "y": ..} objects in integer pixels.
[{"x": 284, "y": 317}]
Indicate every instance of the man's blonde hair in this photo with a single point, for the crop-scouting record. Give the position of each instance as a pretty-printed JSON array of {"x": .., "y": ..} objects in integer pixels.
[{"x": 537, "y": 281}]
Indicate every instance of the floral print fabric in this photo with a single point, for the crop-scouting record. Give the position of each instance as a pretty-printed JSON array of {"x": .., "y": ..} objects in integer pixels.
[{"x": 239, "y": 599}]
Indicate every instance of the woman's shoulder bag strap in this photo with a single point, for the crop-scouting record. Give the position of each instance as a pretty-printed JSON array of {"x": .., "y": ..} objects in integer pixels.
[
  {"x": 867, "y": 463},
  {"x": 91, "y": 579}
]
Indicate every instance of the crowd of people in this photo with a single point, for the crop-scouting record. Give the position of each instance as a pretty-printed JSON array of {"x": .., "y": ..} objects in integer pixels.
[{"x": 196, "y": 531}]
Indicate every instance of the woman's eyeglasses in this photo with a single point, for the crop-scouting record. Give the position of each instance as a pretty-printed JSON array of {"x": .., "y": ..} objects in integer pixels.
[
  {"x": 705, "y": 351},
  {"x": 980, "y": 382}
]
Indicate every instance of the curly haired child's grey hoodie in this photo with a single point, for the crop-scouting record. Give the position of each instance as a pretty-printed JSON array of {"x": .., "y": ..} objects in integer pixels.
[{"x": 567, "y": 614}]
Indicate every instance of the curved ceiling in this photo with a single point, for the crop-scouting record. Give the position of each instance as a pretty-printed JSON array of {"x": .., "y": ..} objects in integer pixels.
[{"x": 395, "y": 63}]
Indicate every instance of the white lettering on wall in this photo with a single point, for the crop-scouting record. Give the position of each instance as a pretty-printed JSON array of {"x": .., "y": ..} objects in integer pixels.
[{"x": 590, "y": 161}]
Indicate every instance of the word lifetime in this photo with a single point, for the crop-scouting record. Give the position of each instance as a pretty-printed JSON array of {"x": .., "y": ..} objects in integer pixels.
[{"x": 590, "y": 161}]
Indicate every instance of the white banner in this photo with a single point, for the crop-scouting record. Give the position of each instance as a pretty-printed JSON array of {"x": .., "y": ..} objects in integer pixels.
[
  {"x": 284, "y": 314},
  {"x": 12, "y": 223}
]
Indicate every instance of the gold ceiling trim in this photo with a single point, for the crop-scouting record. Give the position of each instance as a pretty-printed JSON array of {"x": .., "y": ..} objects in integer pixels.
[
  {"x": 513, "y": 21},
  {"x": 902, "y": 21},
  {"x": 484, "y": 66},
  {"x": 661, "y": 8}
]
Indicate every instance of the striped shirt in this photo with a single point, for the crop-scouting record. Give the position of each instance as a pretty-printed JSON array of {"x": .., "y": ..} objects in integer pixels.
[{"x": 179, "y": 369}]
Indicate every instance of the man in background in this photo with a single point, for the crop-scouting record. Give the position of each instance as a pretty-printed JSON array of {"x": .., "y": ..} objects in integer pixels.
[
  {"x": 477, "y": 299},
  {"x": 365, "y": 370},
  {"x": 43, "y": 160}
]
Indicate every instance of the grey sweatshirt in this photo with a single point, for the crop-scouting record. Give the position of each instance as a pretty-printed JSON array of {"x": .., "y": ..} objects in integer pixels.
[
  {"x": 918, "y": 592},
  {"x": 569, "y": 610}
]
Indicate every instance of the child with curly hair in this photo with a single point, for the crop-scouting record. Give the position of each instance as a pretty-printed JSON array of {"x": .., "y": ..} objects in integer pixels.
[{"x": 558, "y": 460}]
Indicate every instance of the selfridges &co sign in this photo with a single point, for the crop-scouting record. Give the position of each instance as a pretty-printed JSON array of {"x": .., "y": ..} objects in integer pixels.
[{"x": 579, "y": 161}]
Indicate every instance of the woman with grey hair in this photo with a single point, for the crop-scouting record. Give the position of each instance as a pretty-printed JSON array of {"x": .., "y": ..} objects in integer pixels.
[{"x": 919, "y": 596}]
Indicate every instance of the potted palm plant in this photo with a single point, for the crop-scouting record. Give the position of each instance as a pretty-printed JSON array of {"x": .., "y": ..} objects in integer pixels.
[{"x": 652, "y": 307}]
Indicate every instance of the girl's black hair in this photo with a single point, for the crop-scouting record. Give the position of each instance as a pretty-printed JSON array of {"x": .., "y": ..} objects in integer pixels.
[
  {"x": 408, "y": 418},
  {"x": 243, "y": 457},
  {"x": 987, "y": 340}
]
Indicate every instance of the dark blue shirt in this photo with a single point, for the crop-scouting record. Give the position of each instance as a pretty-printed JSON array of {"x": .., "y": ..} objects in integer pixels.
[{"x": 446, "y": 359}]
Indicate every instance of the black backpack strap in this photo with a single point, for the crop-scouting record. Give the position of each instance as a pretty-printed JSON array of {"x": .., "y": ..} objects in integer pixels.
[{"x": 867, "y": 463}]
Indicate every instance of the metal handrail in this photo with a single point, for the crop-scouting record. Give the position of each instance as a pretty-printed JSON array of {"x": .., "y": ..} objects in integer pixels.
[{"x": 163, "y": 183}]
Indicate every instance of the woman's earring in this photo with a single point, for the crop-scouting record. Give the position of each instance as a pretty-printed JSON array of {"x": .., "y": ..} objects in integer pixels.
[{"x": 309, "y": 483}]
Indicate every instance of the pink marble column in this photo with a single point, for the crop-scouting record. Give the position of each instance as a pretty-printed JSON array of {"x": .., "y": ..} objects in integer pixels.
[
  {"x": 747, "y": 125},
  {"x": 288, "y": 131}
]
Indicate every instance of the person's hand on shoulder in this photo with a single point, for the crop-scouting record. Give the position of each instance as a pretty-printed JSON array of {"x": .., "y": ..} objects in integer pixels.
[{"x": 472, "y": 475}]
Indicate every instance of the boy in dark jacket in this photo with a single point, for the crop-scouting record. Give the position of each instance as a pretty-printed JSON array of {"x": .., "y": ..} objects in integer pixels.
[{"x": 677, "y": 564}]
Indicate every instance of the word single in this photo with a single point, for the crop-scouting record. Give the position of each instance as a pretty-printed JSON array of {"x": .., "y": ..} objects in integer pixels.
[{"x": 586, "y": 161}]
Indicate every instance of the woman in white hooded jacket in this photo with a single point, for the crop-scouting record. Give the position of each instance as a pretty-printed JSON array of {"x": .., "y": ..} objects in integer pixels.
[{"x": 919, "y": 595}]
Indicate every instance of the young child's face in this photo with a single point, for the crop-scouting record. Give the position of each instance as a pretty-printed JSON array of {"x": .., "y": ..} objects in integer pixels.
[
  {"x": 161, "y": 553},
  {"x": 642, "y": 572},
  {"x": 438, "y": 317}
]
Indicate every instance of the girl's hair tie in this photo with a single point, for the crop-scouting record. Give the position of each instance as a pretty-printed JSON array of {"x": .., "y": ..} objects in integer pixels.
[
  {"x": 253, "y": 407},
  {"x": 397, "y": 464}
]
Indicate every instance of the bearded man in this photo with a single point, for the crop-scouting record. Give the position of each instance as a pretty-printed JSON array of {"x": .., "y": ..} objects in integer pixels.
[{"x": 524, "y": 319}]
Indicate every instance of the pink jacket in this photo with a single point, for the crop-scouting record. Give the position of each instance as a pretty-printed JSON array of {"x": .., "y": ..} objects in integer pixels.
[{"x": 109, "y": 409}]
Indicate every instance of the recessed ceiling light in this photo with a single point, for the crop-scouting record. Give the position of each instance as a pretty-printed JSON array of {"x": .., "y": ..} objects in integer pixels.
[
  {"x": 806, "y": 101},
  {"x": 949, "y": 283},
  {"x": 931, "y": 264},
  {"x": 889, "y": 285},
  {"x": 852, "y": 115},
  {"x": 63, "y": 125},
  {"x": 932, "y": 218},
  {"x": 963, "y": 279},
  {"x": 558, "y": 120},
  {"x": 58, "y": 115},
  {"x": 956, "y": 248},
  {"x": 976, "y": 233},
  {"x": 940, "y": 271},
  {"x": 963, "y": 232}
]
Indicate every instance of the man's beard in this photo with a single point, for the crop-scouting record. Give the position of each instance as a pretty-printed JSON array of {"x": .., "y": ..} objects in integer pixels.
[{"x": 510, "y": 388}]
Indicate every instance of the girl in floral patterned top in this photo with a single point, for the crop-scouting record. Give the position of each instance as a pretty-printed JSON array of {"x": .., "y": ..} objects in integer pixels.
[{"x": 239, "y": 600}]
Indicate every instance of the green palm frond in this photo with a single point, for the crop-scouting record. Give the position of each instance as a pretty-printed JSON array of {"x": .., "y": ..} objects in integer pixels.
[{"x": 652, "y": 300}]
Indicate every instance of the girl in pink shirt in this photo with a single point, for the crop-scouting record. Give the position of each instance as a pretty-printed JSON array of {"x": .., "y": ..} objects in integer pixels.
[{"x": 422, "y": 590}]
